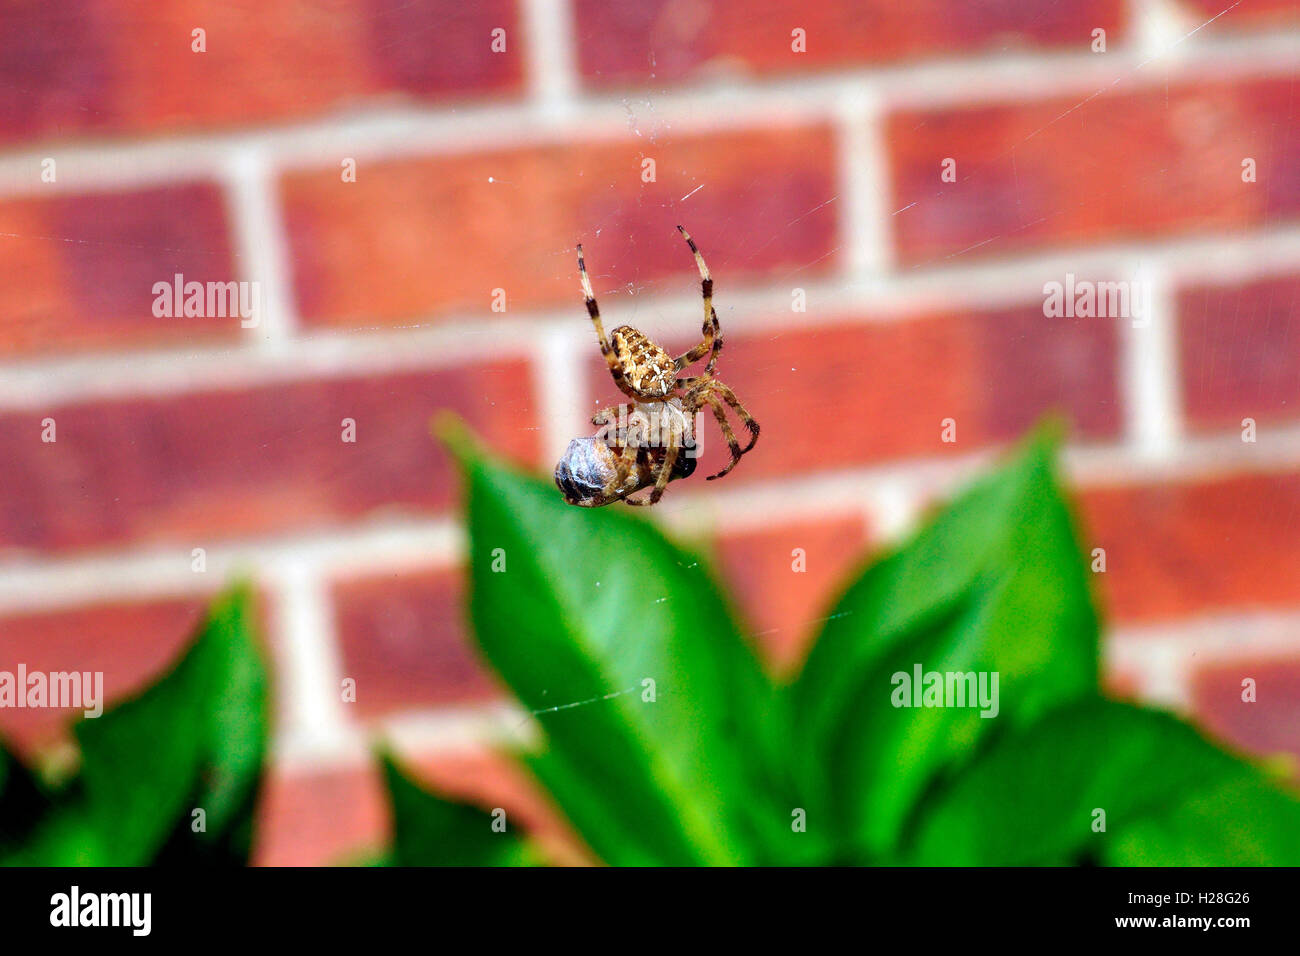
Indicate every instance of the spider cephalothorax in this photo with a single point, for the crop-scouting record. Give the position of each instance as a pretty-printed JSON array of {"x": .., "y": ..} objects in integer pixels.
[{"x": 662, "y": 412}]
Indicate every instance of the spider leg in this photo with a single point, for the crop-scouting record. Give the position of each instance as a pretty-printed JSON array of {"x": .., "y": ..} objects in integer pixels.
[
  {"x": 624, "y": 465},
  {"x": 606, "y": 349},
  {"x": 720, "y": 414},
  {"x": 665, "y": 475},
  {"x": 729, "y": 397},
  {"x": 712, "y": 335},
  {"x": 712, "y": 363}
]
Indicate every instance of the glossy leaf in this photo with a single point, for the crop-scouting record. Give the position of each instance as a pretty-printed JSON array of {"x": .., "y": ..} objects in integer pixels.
[
  {"x": 996, "y": 583},
  {"x": 196, "y": 739},
  {"x": 1243, "y": 819},
  {"x": 660, "y": 727},
  {"x": 1033, "y": 796}
]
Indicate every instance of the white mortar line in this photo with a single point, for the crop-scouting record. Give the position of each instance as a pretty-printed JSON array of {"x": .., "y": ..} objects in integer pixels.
[
  {"x": 418, "y": 732},
  {"x": 1162, "y": 670},
  {"x": 1165, "y": 655},
  {"x": 561, "y": 382},
  {"x": 262, "y": 245},
  {"x": 43, "y": 381},
  {"x": 552, "y": 68},
  {"x": 1149, "y": 368},
  {"x": 892, "y": 510},
  {"x": 1162, "y": 28},
  {"x": 310, "y": 671},
  {"x": 152, "y": 573},
  {"x": 453, "y": 340},
  {"x": 864, "y": 185}
]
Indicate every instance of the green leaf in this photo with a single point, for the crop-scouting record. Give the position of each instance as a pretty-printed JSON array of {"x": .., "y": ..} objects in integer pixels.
[
  {"x": 238, "y": 734},
  {"x": 1031, "y": 798},
  {"x": 194, "y": 740},
  {"x": 661, "y": 729},
  {"x": 431, "y": 831},
  {"x": 1243, "y": 820},
  {"x": 995, "y": 583}
]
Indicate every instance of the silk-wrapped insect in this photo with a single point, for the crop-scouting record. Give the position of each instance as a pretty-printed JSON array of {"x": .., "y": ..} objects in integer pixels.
[{"x": 629, "y": 453}]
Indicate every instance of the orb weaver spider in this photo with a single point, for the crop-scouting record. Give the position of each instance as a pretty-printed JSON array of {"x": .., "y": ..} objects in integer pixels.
[{"x": 658, "y": 424}]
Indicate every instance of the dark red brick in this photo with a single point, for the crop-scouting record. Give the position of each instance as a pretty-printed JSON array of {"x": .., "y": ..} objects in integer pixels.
[
  {"x": 55, "y": 66},
  {"x": 78, "y": 271},
  {"x": 433, "y": 47},
  {"x": 655, "y": 41},
  {"x": 1184, "y": 548},
  {"x": 414, "y": 238},
  {"x": 843, "y": 394},
  {"x": 1031, "y": 365},
  {"x": 1240, "y": 352},
  {"x": 1246, "y": 15},
  {"x": 204, "y": 466},
  {"x": 317, "y": 818},
  {"x": 1126, "y": 164},
  {"x": 786, "y": 609},
  {"x": 130, "y": 643},
  {"x": 403, "y": 640},
  {"x": 94, "y": 66},
  {"x": 1269, "y": 725},
  {"x": 320, "y": 817}
]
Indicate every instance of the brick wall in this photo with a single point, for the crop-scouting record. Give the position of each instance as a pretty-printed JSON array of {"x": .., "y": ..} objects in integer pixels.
[{"x": 814, "y": 173}]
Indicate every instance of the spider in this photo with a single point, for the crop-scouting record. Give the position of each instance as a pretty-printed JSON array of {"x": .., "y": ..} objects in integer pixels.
[{"x": 659, "y": 422}]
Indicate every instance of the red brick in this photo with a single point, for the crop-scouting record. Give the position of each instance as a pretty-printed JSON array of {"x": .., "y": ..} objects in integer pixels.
[
  {"x": 1126, "y": 164},
  {"x": 127, "y": 65},
  {"x": 320, "y": 818},
  {"x": 130, "y": 643},
  {"x": 1122, "y": 684},
  {"x": 786, "y": 609},
  {"x": 204, "y": 466},
  {"x": 1269, "y": 725},
  {"x": 1238, "y": 352},
  {"x": 1183, "y": 548},
  {"x": 79, "y": 270},
  {"x": 844, "y": 394},
  {"x": 1248, "y": 15},
  {"x": 414, "y": 238},
  {"x": 442, "y": 47},
  {"x": 656, "y": 41},
  {"x": 403, "y": 640},
  {"x": 1031, "y": 365},
  {"x": 55, "y": 67},
  {"x": 331, "y": 816}
]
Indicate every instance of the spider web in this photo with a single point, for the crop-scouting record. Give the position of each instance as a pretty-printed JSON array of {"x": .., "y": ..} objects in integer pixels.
[{"x": 629, "y": 295}]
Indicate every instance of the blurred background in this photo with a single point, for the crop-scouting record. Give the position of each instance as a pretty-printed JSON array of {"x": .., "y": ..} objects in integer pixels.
[{"x": 882, "y": 191}]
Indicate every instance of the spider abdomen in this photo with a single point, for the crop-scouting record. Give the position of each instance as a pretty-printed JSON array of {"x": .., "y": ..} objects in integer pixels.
[{"x": 647, "y": 367}]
